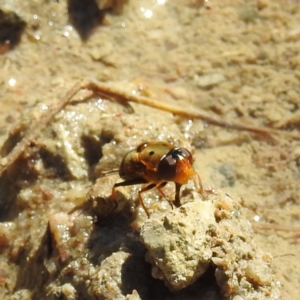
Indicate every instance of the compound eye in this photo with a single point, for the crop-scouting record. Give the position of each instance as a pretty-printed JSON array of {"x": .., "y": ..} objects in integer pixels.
[
  {"x": 167, "y": 167},
  {"x": 172, "y": 163},
  {"x": 185, "y": 153}
]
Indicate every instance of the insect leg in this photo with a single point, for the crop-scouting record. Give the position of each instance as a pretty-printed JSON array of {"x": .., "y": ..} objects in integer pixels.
[
  {"x": 130, "y": 182},
  {"x": 177, "y": 194},
  {"x": 125, "y": 183},
  {"x": 159, "y": 188},
  {"x": 145, "y": 189},
  {"x": 198, "y": 183}
]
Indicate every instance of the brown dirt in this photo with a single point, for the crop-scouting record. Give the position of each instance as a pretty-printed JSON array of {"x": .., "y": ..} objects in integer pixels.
[{"x": 236, "y": 60}]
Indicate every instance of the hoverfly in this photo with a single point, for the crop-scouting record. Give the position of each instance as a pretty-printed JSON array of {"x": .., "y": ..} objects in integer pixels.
[{"x": 157, "y": 163}]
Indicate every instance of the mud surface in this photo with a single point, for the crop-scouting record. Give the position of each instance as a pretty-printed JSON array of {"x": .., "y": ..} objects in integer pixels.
[{"x": 234, "y": 60}]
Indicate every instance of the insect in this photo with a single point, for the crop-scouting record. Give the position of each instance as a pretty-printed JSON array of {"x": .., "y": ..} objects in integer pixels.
[{"x": 157, "y": 163}]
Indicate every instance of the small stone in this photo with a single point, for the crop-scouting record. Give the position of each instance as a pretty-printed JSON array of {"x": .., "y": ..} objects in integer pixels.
[
  {"x": 259, "y": 272},
  {"x": 177, "y": 243},
  {"x": 208, "y": 80}
]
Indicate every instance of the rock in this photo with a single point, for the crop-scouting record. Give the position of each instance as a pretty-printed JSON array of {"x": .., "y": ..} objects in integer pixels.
[
  {"x": 178, "y": 243},
  {"x": 107, "y": 284},
  {"x": 183, "y": 243},
  {"x": 133, "y": 296}
]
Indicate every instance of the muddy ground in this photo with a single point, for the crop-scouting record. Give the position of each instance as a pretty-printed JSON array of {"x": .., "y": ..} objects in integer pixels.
[{"x": 233, "y": 60}]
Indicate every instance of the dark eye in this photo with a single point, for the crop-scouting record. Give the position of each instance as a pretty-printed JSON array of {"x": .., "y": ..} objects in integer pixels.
[
  {"x": 167, "y": 166},
  {"x": 185, "y": 153}
]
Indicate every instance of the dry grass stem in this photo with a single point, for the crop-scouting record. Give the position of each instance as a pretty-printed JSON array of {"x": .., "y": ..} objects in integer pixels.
[{"x": 111, "y": 93}]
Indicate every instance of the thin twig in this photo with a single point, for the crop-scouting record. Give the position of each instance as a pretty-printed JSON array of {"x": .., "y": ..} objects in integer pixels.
[
  {"x": 124, "y": 97},
  {"x": 112, "y": 93},
  {"x": 290, "y": 121},
  {"x": 276, "y": 227}
]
